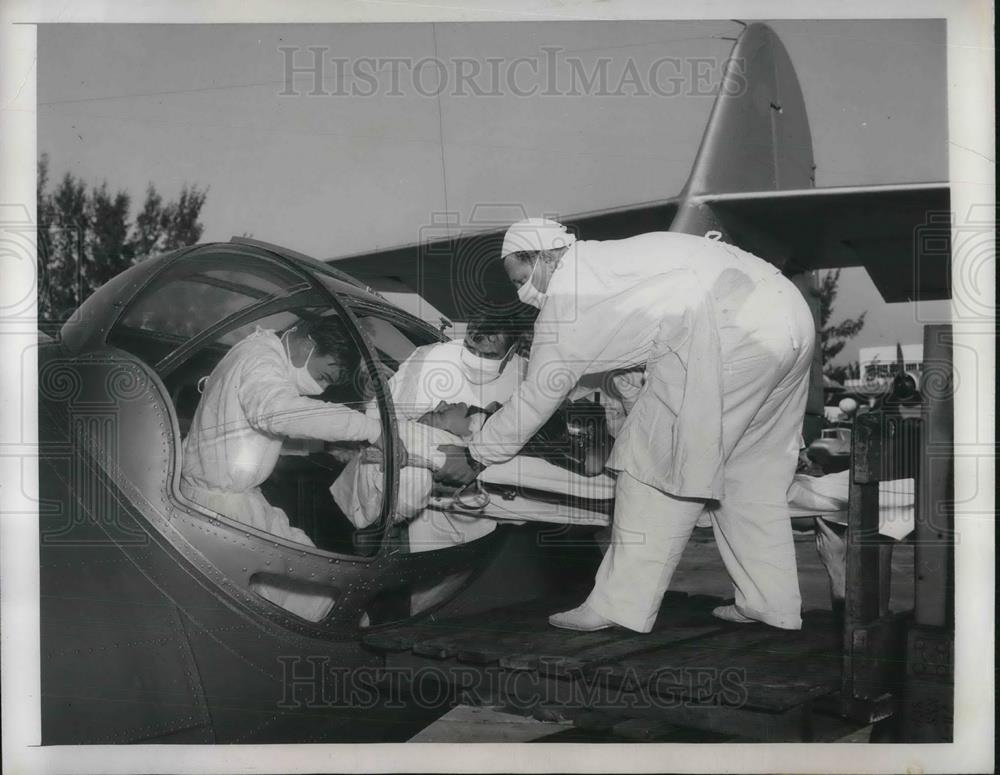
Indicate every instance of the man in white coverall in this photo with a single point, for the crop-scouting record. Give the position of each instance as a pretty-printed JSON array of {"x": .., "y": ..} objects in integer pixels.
[
  {"x": 255, "y": 397},
  {"x": 727, "y": 342},
  {"x": 480, "y": 370}
]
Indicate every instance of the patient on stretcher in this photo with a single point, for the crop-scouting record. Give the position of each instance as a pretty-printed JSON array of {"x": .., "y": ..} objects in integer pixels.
[{"x": 358, "y": 490}]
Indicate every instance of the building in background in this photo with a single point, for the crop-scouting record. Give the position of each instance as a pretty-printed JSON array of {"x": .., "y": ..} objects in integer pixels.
[{"x": 878, "y": 365}]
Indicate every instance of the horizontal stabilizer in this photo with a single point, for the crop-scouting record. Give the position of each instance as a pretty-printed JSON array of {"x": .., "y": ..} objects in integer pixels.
[{"x": 899, "y": 233}]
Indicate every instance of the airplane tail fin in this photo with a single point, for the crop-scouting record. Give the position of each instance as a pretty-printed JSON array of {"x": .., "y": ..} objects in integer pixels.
[
  {"x": 757, "y": 140},
  {"x": 757, "y": 137}
]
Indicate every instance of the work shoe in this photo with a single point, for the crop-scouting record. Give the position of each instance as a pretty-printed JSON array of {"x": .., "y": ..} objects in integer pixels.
[
  {"x": 730, "y": 614},
  {"x": 583, "y": 618}
]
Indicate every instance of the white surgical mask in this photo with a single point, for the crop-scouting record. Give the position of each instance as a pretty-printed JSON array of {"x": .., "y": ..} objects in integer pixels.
[
  {"x": 305, "y": 382},
  {"x": 528, "y": 293},
  {"x": 479, "y": 370}
]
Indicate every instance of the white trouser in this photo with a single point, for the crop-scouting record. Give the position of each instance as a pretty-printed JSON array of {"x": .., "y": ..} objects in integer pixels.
[
  {"x": 643, "y": 553},
  {"x": 763, "y": 408}
]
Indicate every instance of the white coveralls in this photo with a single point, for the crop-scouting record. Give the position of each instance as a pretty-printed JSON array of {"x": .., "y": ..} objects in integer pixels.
[
  {"x": 727, "y": 342},
  {"x": 434, "y": 373},
  {"x": 249, "y": 405}
]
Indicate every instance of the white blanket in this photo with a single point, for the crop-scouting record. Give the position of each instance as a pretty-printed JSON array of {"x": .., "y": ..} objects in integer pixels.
[
  {"x": 826, "y": 496},
  {"x": 808, "y": 496},
  {"x": 538, "y": 474},
  {"x": 359, "y": 488}
]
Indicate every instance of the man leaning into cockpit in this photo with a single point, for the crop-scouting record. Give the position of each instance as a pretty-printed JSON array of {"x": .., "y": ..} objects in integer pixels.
[{"x": 258, "y": 395}]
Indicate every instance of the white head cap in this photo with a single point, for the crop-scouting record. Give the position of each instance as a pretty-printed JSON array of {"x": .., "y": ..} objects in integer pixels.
[{"x": 534, "y": 234}]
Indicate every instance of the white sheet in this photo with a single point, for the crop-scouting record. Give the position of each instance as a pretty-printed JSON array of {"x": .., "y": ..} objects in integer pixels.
[
  {"x": 358, "y": 489},
  {"x": 808, "y": 496},
  {"x": 827, "y": 495},
  {"x": 538, "y": 474}
]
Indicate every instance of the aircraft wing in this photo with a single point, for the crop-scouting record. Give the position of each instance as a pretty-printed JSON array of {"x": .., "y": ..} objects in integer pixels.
[
  {"x": 900, "y": 233},
  {"x": 463, "y": 275}
]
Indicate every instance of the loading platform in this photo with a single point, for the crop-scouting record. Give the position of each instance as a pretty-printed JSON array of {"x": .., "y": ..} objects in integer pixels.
[{"x": 748, "y": 681}]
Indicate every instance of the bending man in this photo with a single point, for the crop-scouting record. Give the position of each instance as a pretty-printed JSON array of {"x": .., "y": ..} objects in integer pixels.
[{"x": 727, "y": 342}]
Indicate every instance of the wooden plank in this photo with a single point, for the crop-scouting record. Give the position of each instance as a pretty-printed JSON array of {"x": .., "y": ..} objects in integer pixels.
[
  {"x": 863, "y": 574},
  {"x": 564, "y": 667},
  {"x": 688, "y": 654},
  {"x": 878, "y": 656},
  {"x": 524, "y": 692},
  {"x": 526, "y": 662},
  {"x": 863, "y": 597},
  {"x": 594, "y": 721},
  {"x": 521, "y": 618},
  {"x": 934, "y": 530},
  {"x": 886, "y": 448},
  {"x": 792, "y": 725},
  {"x": 436, "y": 648},
  {"x": 751, "y": 667},
  {"x": 644, "y": 730},
  {"x": 466, "y": 724},
  {"x": 517, "y": 636},
  {"x": 576, "y": 650},
  {"x": 389, "y": 641}
]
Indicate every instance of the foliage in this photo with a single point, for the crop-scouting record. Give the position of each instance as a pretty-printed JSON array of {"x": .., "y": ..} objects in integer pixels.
[
  {"x": 85, "y": 236},
  {"x": 843, "y": 372},
  {"x": 833, "y": 337}
]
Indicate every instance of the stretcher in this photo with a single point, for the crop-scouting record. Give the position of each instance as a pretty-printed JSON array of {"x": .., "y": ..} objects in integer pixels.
[
  {"x": 552, "y": 489},
  {"x": 531, "y": 489}
]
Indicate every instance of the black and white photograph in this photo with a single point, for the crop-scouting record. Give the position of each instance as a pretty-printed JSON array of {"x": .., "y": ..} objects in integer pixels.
[{"x": 609, "y": 376}]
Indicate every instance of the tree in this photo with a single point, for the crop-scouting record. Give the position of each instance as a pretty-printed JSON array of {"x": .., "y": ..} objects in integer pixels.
[
  {"x": 148, "y": 226},
  {"x": 843, "y": 372},
  {"x": 161, "y": 227},
  {"x": 180, "y": 219},
  {"x": 85, "y": 237},
  {"x": 63, "y": 222},
  {"x": 833, "y": 337},
  {"x": 108, "y": 240}
]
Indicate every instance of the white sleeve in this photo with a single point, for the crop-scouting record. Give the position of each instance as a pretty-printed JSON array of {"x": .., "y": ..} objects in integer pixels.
[
  {"x": 555, "y": 367},
  {"x": 358, "y": 492},
  {"x": 582, "y": 335},
  {"x": 273, "y": 405}
]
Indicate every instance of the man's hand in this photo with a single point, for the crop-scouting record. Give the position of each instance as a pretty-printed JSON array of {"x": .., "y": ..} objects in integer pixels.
[
  {"x": 807, "y": 466},
  {"x": 459, "y": 468},
  {"x": 401, "y": 454}
]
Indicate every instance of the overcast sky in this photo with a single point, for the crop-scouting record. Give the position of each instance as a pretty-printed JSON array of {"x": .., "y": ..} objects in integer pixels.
[{"x": 333, "y": 174}]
